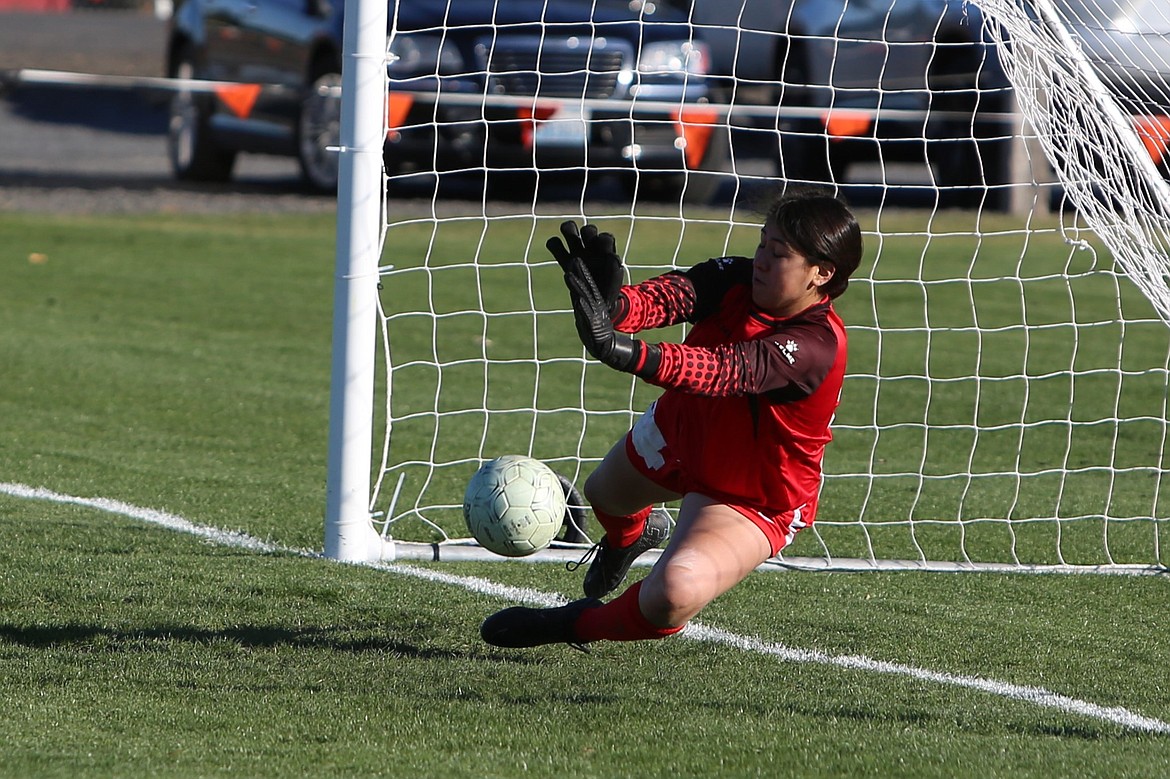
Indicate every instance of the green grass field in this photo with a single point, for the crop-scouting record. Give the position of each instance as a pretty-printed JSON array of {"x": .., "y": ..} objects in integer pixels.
[{"x": 182, "y": 364}]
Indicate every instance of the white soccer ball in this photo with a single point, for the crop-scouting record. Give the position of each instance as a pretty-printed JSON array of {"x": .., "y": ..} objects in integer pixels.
[{"x": 514, "y": 505}]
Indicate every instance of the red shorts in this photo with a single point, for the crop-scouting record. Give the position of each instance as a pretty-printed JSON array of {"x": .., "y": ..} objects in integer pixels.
[{"x": 645, "y": 447}]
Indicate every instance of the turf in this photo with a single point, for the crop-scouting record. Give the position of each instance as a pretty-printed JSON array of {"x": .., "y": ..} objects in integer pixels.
[{"x": 182, "y": 364}]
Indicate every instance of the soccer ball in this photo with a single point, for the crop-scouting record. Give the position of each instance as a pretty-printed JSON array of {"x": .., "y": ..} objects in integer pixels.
[{"x": 514, "y": 505}]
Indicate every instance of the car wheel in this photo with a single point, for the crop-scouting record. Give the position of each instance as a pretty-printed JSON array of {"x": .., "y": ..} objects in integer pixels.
[
  {"x": 973, "y": 172},
  {"x": 806, "y": 154},
  {"x": 193, "y": 153},
  {"x": 319, "y": 132},
  {"x": 970, "y": 155}
]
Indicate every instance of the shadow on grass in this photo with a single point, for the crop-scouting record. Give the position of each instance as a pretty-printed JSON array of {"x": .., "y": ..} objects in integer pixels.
[{"x": 100, "y": 638}]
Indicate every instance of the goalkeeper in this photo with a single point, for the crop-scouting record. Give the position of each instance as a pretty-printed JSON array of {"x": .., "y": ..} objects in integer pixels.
[{"x": 739, "y": 433}]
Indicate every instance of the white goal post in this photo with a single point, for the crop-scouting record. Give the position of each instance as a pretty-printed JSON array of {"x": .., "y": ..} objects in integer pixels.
[
  {"x": 349, "y": 534},
  {"x": 1006, "y": 404}
]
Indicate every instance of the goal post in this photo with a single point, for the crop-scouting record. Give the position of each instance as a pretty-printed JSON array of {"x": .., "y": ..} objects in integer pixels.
[
  {"x": 349, "y": 535},
  {"x": 1005, "y": 406}
]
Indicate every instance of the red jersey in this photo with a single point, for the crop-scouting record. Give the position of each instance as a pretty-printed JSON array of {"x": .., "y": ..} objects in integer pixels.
[{"x": 749, "y": 396}]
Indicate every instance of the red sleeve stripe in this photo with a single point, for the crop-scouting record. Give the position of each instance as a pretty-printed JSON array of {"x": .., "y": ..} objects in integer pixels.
[
  {"x": 718, "y": 372},
  {"x": 658, "y": 302}
]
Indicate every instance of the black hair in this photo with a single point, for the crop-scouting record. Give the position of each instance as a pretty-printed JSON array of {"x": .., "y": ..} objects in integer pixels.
[{"x": 820, "y": 226}]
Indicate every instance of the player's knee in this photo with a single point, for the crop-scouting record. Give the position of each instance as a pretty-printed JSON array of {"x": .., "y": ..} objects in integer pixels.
[{"x": 672, "y": 595}]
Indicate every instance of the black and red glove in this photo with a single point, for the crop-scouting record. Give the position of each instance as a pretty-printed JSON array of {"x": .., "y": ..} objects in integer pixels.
[{"x": 593, "y": 307}]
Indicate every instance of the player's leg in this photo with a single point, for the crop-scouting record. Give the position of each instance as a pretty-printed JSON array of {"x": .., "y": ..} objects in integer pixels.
[
  {"x": 713, "y": 548},
  {"x": 622, "y": 498},
  {"x": 616, "y": 486}
]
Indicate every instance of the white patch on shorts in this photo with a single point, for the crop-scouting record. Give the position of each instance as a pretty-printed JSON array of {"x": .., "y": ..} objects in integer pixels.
[
  {"x": 648, "y": 440},
  {"x": 795, "y": 525}
]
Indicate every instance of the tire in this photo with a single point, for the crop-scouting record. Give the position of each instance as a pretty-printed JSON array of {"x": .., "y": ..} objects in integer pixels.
[
  {"x": 971, "y": 156},
  {"x": 319, "y": 131},
  {"x": 806, "y": 154},
  {"x": 973, "y": 172},
  {"x": 193, "y": 153}
]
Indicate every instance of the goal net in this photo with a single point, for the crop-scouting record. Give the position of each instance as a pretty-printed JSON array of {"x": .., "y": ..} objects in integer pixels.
[{"x": 1006, "y": 398}]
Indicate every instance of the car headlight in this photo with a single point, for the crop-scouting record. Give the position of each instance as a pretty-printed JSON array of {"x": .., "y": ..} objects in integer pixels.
[
  {"x": 422, "y": 55},
  {"x": 690, "y": 57}
]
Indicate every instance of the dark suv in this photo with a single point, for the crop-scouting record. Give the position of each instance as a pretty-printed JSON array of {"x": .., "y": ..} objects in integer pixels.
[
  {"x": 865, "y": 80},
  {"x": 510, "y": 84}
]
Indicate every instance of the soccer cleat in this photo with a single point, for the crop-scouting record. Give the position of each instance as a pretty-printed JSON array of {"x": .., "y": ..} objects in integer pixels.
[
  {"x": 610, "y": 565},
  {"x": 520, "y": 626}
]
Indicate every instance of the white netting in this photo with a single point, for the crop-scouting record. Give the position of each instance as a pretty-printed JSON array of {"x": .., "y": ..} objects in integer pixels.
[
  {"x": 1090, "y": 131},
  {"x": 1006, "y": 398}
]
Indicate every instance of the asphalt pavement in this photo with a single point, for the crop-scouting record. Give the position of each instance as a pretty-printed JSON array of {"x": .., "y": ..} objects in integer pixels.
[
  {"x": 70, "y": 150},
  {"x": 111, "y": 42}
]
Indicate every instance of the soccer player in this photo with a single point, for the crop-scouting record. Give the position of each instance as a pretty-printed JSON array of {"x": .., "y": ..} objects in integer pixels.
[{"x": 738, "y": 435}]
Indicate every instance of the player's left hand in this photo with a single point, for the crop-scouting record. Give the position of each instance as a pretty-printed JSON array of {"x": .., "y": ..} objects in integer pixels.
[
  {"x": 593, "y": 251},
  {"x": 596, "y": 331}
]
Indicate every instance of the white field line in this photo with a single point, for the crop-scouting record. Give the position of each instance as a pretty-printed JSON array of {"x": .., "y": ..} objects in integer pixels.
[{"x": 1037, "y": 696}]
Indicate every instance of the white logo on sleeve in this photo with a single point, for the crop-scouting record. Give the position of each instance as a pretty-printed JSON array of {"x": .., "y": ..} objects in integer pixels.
[{"x": 789, "y": 349}]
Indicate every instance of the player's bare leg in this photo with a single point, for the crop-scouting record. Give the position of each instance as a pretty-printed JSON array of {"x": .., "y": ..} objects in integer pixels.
[
  {"x": 616, "y": 487},
  {"x": 712, "y": 549}
]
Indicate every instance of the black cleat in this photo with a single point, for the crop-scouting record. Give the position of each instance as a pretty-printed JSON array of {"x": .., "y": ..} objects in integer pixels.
[
  {"x": 520, "y": 626},
  {"x": 610, "y": 566}
]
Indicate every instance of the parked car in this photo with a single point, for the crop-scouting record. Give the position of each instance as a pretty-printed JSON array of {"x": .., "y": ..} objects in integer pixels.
[
  {"x": 1128, "y": 44},
  {"x": 927, "y": 58},
  {"x": 535, "y": 59}
]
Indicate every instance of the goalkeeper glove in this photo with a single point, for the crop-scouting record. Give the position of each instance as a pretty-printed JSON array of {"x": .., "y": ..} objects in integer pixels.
[
  {"x": 598, "y": 252},
  {"x": 591, "y": 314}
]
